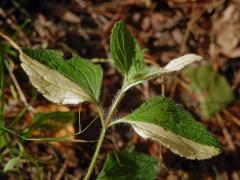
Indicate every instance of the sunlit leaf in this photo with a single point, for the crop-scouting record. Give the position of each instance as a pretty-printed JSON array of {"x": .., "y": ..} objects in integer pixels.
[
  {"x": 162, "y": 120},
  {"x": 212, "y": 89},
  {"x": 129, "y": 165}
]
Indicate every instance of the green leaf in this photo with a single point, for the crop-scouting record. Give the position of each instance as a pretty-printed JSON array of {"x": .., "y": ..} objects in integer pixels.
[
  {"x": 124, "y": 48},
  {"x": 129, "y": 165},
  {"x": 129, "y": 58},
  {"x": 52, "y": 121},
  {"x": 150, "y": 73},
  {"x": 11, "y": 163},
  {"x": 62, "y": 81},
  {"x": 163, "y": 120},
  {"x": 212, "y": 89}
]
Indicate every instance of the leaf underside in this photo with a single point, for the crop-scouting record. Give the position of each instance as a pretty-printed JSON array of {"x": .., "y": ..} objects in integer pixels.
[
  {"x": 153, "y": 72},
  {"x": 62, "y": 81},
  {"x": 129, "y": 165},
  {"x": 167, "y": 122}
]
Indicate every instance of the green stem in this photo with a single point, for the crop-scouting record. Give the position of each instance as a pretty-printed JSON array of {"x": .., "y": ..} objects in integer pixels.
[
  {"x": 114, "y": 106},
  {"x": 101, "y": 115},
  {"x": 112, "y": 111},
  {"x": 96, "y": 153},
  {"x": 99, "y": 144}
]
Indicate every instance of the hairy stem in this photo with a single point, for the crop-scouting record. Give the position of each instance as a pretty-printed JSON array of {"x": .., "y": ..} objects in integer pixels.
[
  {"x": 101, "y": 115},
  {"x": 99, "y": 144},
  {"x": 112, "y": 111},
  {"x": 114, "y": 106}
]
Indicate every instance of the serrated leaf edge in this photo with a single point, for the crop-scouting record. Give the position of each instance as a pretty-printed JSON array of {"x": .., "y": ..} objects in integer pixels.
[
  {"x": 190, "y": 149},
  {"x": 80, "y": 95}
]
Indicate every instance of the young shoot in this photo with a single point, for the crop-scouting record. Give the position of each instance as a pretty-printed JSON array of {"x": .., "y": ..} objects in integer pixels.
[{"x": 78, "y": 80}]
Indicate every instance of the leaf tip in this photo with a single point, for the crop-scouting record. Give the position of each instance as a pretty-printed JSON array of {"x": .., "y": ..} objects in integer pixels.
[{"x": 181, "y": 62}]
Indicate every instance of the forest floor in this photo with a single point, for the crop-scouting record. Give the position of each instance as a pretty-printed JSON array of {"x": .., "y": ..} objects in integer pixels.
[{"x": 166, "y": 30}]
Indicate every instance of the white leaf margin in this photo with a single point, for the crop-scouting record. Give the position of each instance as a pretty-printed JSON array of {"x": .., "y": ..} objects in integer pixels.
[
  {"x": 181, "y": 62},
  {"x": 53, "y": 85},
  {"x": 155, "y": 72},
  {"x": 176, "y": 143}
]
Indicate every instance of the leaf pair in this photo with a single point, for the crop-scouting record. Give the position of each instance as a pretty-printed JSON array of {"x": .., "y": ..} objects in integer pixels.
[
  {"x": 160, "y": 118},
  {"x": 77, "y": 80},
  {"x": 129, "y": 58}
]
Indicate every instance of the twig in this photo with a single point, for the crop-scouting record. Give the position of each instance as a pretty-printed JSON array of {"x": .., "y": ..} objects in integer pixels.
[
  {"x": 19, "y": 90},
  {"x": 225, "y": 132},
  {"x": 61, "y": 172},
  {"x": 60, "y": 139},
  {"x": 173, "y": 88},
  {"x": 22, "y": 97},
  {"x": 163, "y": 86},
  {"x": 79, "y": 119},
  {"x": 231, "y": 117},
  {"x": 15, "y": 46}
]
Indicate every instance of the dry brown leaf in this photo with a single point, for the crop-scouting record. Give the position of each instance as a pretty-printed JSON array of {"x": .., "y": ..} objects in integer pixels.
[{"x": 227, "y": 31}]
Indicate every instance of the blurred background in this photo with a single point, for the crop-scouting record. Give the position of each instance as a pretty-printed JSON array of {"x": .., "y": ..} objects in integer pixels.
[{"x": 166, "y": 30}]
